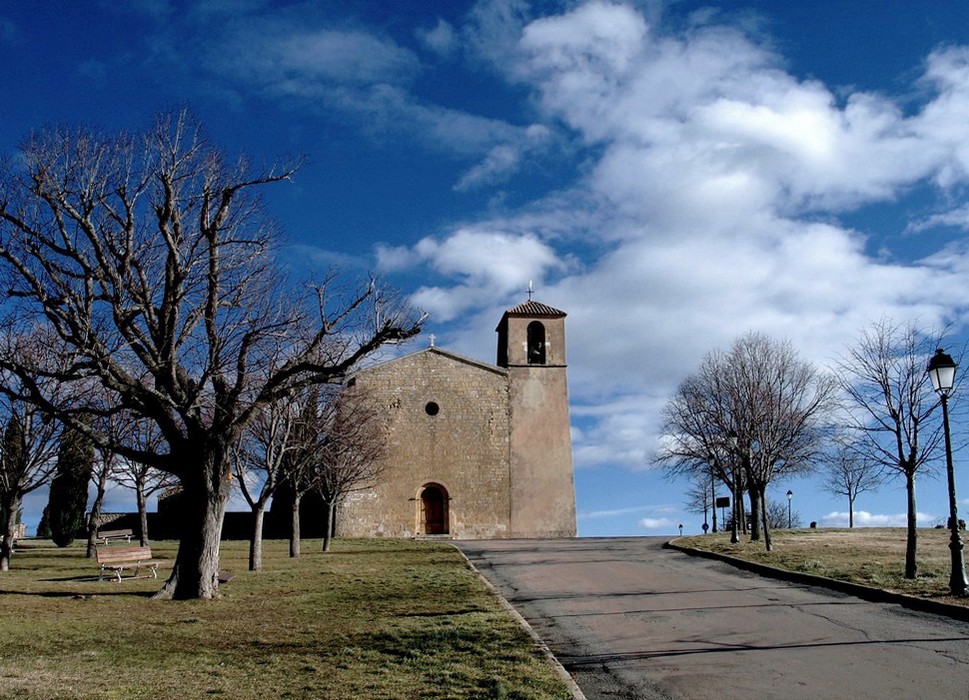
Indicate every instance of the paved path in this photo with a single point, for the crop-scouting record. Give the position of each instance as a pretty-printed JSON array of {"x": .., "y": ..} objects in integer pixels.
[{"x": 629, "y": 619}]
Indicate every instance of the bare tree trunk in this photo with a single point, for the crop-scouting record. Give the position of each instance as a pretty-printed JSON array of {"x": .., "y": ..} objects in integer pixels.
[
  {"x": 755, "y": 510},
  {"x": 196, "y": 570},
  {"x": 94, "y": 519},
  {"x": 743, "y": 514},
  {"x": 294, "y": 529},
  {"x": 328, "y": 526},
  {"x": 6, "y": 544},
  {"x": 142, "y": 513},
  {"x": 735, "y": 495},
  {"x": 911, "y": 540},
  {"x": 851, "y": 511},
  {"x": 763, "y": 517},
  {"x": 255, "y": 544}
]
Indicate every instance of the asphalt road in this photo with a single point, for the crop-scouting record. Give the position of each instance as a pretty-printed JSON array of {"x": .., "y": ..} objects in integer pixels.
[{"x": 629, "y": 619}]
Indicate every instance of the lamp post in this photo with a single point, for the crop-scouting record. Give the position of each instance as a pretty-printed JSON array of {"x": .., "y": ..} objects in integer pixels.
[
  {"x": 713, "y": 498},
  {"x": 942, "y": 372},
  {"x": 734, "y": 441},
  {"x": 790, "y": 495}
]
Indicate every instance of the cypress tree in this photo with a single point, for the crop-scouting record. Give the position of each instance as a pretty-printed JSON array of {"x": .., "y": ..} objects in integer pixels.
[
  {"x": 43, "y": 527},
  {"x": 68, "y": 490}
]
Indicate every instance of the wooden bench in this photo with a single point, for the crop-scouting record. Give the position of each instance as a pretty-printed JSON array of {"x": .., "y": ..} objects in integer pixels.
[
  {"x": 118, "y": 559},
  {"x": 106, "y": 536}
]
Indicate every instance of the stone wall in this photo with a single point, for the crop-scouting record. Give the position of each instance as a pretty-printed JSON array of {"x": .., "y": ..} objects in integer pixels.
[{"x": 449, "y": 425}]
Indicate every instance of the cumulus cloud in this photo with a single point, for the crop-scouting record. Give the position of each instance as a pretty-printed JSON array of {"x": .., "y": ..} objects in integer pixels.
[
  {"x": 709, "y": 204},
  {"x": 709, "y": 193},
  {"x": 490, "y": 264}
]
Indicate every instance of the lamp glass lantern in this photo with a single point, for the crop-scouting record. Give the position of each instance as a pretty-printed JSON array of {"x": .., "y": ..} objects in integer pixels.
[{"x": 942, "y": 372}]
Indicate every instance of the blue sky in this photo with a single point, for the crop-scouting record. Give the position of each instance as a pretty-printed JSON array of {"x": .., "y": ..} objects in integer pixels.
[{"x": 671, "y": 174}]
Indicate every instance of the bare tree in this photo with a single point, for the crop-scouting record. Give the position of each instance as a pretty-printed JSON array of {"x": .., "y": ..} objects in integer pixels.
[
  {"x": 300, "y": 469},
  {"x": 140, "y": 476},
  {"x": 849, "y": 472},
  {"x": 780, "y": 517},
  {"x": 752, "y": 414},
  {"x": 891, "y": 400},
  {"x": 696, "y": 432},
  {"x": 259, "y": 461},
  {"x": 787, "y": 407},
  {"x": 103, "y": 468},
  {"x": 150, "y": 263},
  {"x": 351, "y": 459},
  {"x": 28, "y": 452},
  {"x": 697, "y": 500}
]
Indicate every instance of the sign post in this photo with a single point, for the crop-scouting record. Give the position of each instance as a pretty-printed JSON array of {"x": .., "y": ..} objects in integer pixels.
[{"x": 723, "y": 502}]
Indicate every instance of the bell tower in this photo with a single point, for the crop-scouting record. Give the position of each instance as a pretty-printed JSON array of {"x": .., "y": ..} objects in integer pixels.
[{"x": 531, "y": 347}]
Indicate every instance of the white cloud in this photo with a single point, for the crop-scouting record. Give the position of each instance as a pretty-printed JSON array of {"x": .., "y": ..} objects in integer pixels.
[
  {"x": 958, "y": 217},
  {"x": 394, "y": 258},
  {"x": 710, "y": 156},
  {"x": 707, "y": 207},
  {"x": 282, "y": 59},
  {"x": 319, "y": 259},
  {"x": 301, "y": 56},
  {"x": 866, "y": 519},
  {"x": 441, "y": 39},
  {"x": 661, "y": 524},
  {"x": 504, "y": 159},
  {"x": 618, "y": 432},
  {"x": 605, "y": 514},
  {"x": 490, "y": 263}
]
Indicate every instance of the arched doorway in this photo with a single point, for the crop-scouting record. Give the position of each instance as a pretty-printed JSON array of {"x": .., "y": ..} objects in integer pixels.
[{"x": 433, "y": 518}]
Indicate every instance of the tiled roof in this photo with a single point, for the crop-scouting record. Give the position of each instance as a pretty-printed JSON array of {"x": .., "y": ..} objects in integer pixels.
[{"x": 534, "y": 308}]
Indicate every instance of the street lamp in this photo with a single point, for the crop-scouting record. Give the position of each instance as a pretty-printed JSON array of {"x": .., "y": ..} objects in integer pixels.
[
  {"x": 713, "y": 498},
  {"x": 942, "y": 371},
  {"x": 790, "y": 495},
  {"x": 734, "y": 441}
]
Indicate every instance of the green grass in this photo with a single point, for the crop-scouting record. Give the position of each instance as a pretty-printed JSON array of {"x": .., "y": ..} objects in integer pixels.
[
  {"x": 869, "y": 556},
  {"x": 371, "y": 619}
]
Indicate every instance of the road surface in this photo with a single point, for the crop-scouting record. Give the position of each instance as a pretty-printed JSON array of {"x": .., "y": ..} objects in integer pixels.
[{"x": 629, "y": 619}]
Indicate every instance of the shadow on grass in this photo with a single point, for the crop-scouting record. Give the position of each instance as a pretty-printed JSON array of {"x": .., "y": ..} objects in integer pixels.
[
  {"x": 78, "y": 594},
  {"x": 86, "y": 578}
]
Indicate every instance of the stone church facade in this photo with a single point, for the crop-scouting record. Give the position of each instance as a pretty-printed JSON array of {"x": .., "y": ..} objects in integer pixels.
[{"x": 474, "y": 450}]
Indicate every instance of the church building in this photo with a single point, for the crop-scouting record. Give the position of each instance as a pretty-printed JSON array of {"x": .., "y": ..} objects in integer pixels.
[{"x": 474, "y": 450}]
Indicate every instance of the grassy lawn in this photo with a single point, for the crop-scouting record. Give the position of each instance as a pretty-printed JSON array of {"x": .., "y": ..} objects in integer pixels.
[
  {"x": 870, "y": 556},
  {"x": 371, "y": 619}
]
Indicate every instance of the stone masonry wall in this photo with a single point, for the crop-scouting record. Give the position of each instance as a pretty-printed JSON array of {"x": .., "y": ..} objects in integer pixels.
[{"x": 463, "y": 447}]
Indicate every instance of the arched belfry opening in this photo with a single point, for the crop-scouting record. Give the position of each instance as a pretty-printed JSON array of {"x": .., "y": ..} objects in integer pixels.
[
  {"x": 531, "y": 335},
  {"x": 433, "y": 515},
  {"x": 536, "y": 343}
]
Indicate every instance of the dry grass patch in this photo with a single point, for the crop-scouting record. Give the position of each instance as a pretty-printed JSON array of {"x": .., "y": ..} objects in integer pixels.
[
  {"x": 374, "y": 619},
  {"x": 869, "y": 556}
]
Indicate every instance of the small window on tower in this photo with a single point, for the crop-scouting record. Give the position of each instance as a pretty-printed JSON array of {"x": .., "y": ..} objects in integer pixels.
[
  {"x": 431, "y": 408},
  {"x": 536, "y": 343}
]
